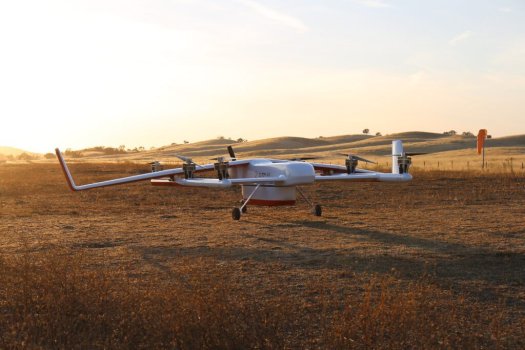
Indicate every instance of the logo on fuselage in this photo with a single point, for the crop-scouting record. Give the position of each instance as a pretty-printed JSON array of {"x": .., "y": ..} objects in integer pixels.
[{"x": 263, "y": 174}]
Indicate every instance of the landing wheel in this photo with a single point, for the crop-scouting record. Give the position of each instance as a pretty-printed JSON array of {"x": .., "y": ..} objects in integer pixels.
[
  {"x": 236, "y": 214},
  {"x": 317, "y": 210}
]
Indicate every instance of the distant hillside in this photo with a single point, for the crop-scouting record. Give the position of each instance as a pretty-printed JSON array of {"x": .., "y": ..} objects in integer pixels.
[
  {"x": 6, "y": 151},
  {"x": 324, "y": 147}
]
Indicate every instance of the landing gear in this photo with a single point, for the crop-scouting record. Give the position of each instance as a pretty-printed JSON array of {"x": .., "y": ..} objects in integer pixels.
[
  {"x": 244, "y": 208},
  {"x": 236, "y": 214},
  {"x": 316, "y": 208}
]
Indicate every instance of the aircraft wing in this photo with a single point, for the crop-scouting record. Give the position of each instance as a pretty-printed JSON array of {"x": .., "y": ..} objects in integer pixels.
[{"x": 142, "y": 177}]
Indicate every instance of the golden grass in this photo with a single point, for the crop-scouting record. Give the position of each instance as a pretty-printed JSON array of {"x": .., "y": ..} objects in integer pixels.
[
  {"x": 54, "y": 301},
  {"x": 435, "y": 263},
  {"x": 420, "y": 316}
]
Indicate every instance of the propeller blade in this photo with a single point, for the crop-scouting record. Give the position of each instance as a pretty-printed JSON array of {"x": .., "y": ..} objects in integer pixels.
[
  {"x": 231, "y": 152},
  {"x": 299, "y": 159},
  {"x": 184, "y": 159},
  {"x": 352, "y": 156},
  {"x": 364, "y": 160},
  {"x": 410, "y": 154},
  {"x": 187, "y": 160}
]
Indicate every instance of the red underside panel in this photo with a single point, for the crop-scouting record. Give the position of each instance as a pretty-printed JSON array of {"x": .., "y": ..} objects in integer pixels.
[{"x": 270, "y": 203}]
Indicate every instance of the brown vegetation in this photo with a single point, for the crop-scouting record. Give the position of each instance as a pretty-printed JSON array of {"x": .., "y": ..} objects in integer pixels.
[{"x": 435, "y": 263}]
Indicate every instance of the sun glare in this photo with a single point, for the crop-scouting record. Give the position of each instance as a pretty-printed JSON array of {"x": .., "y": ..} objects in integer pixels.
[{"x": 107, "y": 73}]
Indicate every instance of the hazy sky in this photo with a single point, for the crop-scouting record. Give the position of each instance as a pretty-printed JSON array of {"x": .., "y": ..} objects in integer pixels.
[{"x": 148, "y": 73}]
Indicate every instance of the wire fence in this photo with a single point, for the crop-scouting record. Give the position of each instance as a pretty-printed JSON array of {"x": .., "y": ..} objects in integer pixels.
[{"x": 510, "y": 165}]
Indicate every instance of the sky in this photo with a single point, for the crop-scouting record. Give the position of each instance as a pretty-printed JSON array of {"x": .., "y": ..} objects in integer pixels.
[{"x": 76, "y": 74}]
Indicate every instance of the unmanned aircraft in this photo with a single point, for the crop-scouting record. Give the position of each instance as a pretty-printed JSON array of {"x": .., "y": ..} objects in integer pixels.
[{"x": 268, "y": 182}]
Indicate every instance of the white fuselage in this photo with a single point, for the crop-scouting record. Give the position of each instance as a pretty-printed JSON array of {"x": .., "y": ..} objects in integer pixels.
[{"x": 280, "y": 192}]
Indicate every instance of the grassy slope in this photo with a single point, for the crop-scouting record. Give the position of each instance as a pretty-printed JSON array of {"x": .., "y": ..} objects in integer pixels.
[
  {"x": 448, "y": 150},
  {"x": 457, "y": 149},
  {"x": 4, "y": 150}
]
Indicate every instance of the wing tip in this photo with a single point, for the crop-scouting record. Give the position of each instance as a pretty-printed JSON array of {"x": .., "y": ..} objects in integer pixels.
[{"x": 66, "y": 171}]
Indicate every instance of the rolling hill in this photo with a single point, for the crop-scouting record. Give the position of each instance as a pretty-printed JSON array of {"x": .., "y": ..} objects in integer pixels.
[
  {"x": 442, "y": 150},
  {"x": 445, "y": 149},
  {"x": 6, "y": 151}
]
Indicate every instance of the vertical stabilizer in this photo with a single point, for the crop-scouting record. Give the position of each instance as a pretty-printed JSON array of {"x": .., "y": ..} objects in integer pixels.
[
  {"x": 397, "y": 151},
  {"x": 66, "y": 171}
]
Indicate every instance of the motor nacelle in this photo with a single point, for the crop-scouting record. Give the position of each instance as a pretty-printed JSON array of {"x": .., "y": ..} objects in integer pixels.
[
  {"x": 156, "y": 166},
  {"x": 352, "y": 160},
  {"x": 351, "y": 165},
  {"x": 188, "y": 169},
  {"x": 404, "y": 162},
  {"x": 222, "y": 168}
]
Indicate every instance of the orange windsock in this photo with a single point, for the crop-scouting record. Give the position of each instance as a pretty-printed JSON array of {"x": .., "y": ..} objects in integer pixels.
[{"x": 482, "y": 135}]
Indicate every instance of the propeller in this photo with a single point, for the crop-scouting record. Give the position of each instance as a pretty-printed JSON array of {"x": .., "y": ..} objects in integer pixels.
[
  {"x": 355, "y": 158},
  {"x": 300, "y": 159},
  {"x": 407, "y": 154},
  {"x": 222, "y": 164},
  {"x": 352, "y": 160},
  {"x": 405, "y": 160},
  {"x": 222, "y": 159},
  {"x": 187, "y": 160},
  {"x": 184, "y": 159},
  {"x": 231, "y": 153}
]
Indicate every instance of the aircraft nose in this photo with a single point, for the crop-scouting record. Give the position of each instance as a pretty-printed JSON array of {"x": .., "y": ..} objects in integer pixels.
[{"x": 300, "y": 173}]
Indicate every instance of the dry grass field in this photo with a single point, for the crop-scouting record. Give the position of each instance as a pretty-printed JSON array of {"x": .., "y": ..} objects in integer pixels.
[{"x": 435, "y": 263}]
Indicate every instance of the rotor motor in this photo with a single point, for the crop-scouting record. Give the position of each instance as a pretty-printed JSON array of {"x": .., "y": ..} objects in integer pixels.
[
  {"x": 404, "y": 163},
  {"x": 156, "y": 166},
  {"x": 188, "y": 168},
  {"x": 222, "y": 168},
  {"x": 351, "y": 165}
]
